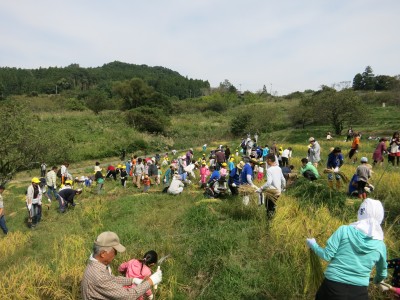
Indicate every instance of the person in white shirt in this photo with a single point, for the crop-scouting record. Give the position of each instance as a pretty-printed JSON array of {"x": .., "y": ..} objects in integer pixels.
[
  {"x": 176, "y": 186},
  {"x": 273, "y": 187},
  {"x": 286, "y": 156}
]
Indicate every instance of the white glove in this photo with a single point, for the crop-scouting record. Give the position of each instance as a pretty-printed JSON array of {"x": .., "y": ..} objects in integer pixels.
[
  {"x": 29, "y": 206},
  {"x": 233, "y": 184},
  {"x": 137, "y": 281},
  {"x": 311, "y": 242},
  {"x": 259, "y": 190},
  {"x": 156, "y": 277},
  {"x": 165, "y": 180},
  {"x": 336, "y": 170},
  {"x": 150, "y": 297},
  {"x": 384, "y": 286}
]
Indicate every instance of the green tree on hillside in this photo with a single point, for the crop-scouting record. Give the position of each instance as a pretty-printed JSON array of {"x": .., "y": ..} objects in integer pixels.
[
  {"x": 337, "y": 108},
  {"x": 22, "y": 146}
]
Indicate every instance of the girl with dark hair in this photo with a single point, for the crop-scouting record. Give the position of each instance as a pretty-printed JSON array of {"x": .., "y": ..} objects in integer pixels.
[{"x": 140, "y": 269}]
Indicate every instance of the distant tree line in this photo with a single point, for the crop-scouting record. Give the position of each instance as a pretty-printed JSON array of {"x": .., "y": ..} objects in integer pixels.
[
  {"x": 367, "y": 81},
  {"x": 73, "y": 78}
]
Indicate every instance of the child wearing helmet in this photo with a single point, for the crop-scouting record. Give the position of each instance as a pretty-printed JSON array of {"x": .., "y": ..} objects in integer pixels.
[{"x": 34, "y": 202}]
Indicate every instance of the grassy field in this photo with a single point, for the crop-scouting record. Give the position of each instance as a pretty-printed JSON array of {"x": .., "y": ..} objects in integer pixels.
[{"x": 219, "y": 248}]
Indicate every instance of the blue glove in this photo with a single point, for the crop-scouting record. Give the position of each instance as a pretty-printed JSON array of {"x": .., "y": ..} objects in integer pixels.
[{"x": 311, "y": 242}]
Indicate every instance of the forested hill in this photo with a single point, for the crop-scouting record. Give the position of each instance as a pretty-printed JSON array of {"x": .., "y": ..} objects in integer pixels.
[{"x": 52, "y": 80}]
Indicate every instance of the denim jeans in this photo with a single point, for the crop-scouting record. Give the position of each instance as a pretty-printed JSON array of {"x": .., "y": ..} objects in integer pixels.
[
  {"x": 52, "y": 190},
  {"x": 35, "y": 214},
  {"x": 3, "y": 225}
]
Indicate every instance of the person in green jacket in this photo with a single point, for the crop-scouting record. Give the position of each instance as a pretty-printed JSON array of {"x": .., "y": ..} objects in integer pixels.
[
  {"x": 308, "y": 170},
  {"x": 352, "y": 251}
]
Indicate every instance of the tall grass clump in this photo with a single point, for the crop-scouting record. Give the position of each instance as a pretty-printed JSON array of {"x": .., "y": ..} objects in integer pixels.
[{"x": 318, "y": 193}]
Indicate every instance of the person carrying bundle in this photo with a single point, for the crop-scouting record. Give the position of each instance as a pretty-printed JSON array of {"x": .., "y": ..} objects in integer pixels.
[{"x": 335, "y": 161}]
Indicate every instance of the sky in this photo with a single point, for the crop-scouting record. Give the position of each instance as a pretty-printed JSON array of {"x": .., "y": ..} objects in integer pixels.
[{"x": 286, "y": 45}]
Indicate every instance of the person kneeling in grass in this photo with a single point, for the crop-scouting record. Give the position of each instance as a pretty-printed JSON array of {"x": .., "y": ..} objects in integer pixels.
[{"x": 308, "y": 170}]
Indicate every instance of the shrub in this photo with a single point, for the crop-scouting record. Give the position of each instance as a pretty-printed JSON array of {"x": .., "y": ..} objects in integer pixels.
[{"x": 148, "y": 119}]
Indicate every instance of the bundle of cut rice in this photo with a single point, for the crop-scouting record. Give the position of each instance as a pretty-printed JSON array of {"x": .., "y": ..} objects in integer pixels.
[{"x": 340, "y": 173}]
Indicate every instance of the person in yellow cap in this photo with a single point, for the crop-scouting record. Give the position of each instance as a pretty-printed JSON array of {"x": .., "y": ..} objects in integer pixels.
[
  {"x": 34, "y": 202},
  {"x": 123, "y": 175},
  {"x": 98, "y": 281}
]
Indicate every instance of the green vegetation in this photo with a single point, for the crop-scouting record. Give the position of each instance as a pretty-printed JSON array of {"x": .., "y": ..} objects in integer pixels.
[{"x": 219, "y": 248}]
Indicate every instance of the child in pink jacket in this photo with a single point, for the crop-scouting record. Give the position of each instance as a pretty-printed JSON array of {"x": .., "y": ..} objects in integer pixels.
[
  {"x": 140, "y": 269},
  {"x": 204, "y": 172}
]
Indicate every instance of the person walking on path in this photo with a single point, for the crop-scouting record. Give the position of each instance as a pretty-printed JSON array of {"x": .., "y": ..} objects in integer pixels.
[
  {"x": 138, "y": 172},
  {"x": 352, "y": 251},
  {"x": 34, "y": 202}
]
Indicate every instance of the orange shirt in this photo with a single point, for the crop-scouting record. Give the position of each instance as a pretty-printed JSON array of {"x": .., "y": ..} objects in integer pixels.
[{"x": 355, "y": 143}]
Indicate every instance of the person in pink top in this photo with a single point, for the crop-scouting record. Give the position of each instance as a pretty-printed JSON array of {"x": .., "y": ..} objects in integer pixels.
[
  {"x": 223, "y": 171},
  {"x": 204, "y": 172},
  {"x": 140, "y": 269}
]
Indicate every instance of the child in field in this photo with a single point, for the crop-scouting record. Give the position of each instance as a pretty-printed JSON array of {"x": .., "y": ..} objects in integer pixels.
[
  {"x": 140, "y": 269},
  {"x": 146, "y": 183},
  {"x": 260, "y": 174},
  {"x": 124, "y": 176}
]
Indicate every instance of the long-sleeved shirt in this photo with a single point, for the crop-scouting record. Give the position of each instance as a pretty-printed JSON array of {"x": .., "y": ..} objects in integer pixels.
[
  {"x": 99, "y": 284},
  {"x": 352, "y": 255},
  {"x": 363, "y": 173},
  {"x": 315, "y": 153},
  {"x": 309, "y": 167},
  {"x": 34, "y": 195},
  {"x": 275, "y": 179},
  {"x": 51, "y": 178},
  {"x": 334, "y": 160},
  {"x": 246, "y": 177}
]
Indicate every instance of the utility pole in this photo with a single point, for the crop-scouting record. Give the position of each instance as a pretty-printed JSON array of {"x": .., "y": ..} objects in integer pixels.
[
  {"x": 270, "y": 91},
  {"x": 240, "y": 87},
  {"x": 56, "y": 89}
]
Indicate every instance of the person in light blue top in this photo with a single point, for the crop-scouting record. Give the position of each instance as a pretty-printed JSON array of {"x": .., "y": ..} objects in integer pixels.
[{"x": 352, "y": 251}]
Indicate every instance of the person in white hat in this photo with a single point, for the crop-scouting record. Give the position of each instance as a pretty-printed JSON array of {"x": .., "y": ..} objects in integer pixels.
[
  {"x": 363, "y": 174},
  {"x": 314, "y": 152},
  {"x": 98, "y": 281}
]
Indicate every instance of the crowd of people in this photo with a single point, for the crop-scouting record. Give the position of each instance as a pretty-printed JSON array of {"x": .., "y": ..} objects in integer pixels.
[{"x": 220, "y": 171}]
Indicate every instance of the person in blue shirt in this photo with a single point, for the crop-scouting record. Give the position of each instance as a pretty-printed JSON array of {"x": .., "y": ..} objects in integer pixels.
[
  {"x": 335, "y": 161},
  {"x": 352, "y": 252},
  {"x": 215, "y": 175},
  {"x": 247, "y": 172},
  {"x": 234, "y": 178}
]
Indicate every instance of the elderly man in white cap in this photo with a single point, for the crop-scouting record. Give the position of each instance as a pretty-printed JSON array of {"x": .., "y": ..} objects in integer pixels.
[{"x": 98, "y": 281}]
